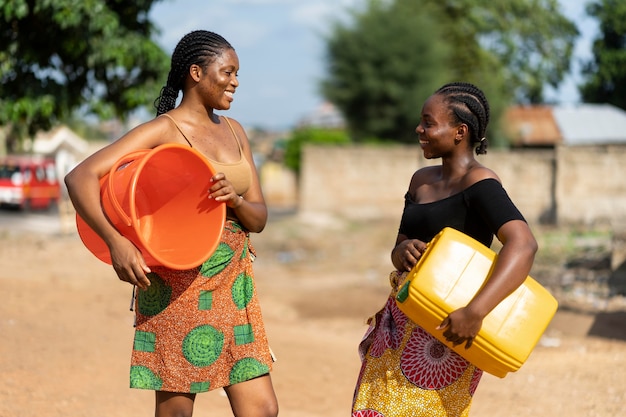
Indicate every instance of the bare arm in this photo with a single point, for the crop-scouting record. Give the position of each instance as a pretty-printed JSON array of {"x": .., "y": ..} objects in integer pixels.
[
  {"x": 406, "y": 253},
  {"x": 250, "y": 208},
  {"x": 511, "y": 268},
  {"x": 84, "y": 190}
]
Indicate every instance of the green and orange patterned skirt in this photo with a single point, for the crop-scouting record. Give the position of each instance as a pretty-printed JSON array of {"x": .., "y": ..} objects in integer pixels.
[
  {"x": 406, "y": 371},
  {"x": 201, "y": 329}
]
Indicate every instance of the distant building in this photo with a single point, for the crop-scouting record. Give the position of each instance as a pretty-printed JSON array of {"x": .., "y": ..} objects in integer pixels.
[
  {"x": 591, "y": 124},
  {"x": 325, "y": 116},
  {"x": 63, "y": 145},
  {"x": 571, "y": 125}
]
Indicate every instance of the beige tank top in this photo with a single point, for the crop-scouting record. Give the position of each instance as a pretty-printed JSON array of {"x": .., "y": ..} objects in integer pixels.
[{"x": 238, "y": 173}]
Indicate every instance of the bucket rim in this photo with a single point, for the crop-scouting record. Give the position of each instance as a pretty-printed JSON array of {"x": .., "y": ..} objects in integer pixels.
[{"x": 133, "y": 207}]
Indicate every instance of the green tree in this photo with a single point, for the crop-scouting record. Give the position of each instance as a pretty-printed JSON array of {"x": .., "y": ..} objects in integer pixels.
[
  {"x": 605, "y": 76},
  {"x": 58, "y": 56},
  {"x": 382, "y": 66},
  {"x": 393, "y": 54},
  {"x": 529, "y": 41}
]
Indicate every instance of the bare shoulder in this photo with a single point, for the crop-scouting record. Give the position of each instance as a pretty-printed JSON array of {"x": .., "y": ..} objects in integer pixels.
[
  {"x": 152, "y": 133},
  {"x": 480, "y": 173},
  {"x": 239, "y": 130},
  {"x": 426, "y": 175}
]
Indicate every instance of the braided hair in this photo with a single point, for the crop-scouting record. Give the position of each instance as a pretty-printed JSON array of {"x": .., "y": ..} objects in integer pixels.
[
  {"x": 199, "y": 47},
  {"x": 468, "y": 104}
]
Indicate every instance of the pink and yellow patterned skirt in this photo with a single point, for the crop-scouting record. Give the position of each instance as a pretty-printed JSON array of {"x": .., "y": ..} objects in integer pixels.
[
  {"x": 407, "y": 372},
  {"x": 201, "y": 329}
]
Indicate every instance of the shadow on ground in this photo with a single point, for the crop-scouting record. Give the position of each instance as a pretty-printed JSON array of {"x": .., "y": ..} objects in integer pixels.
[{"x": 610, "y": 325}]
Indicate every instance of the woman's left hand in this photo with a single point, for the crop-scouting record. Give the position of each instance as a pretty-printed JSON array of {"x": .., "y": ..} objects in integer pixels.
[
  {"x": 461, "y": 326},
  {"x": 509, "y": 272},
  {"x": 222, "y": 190}
]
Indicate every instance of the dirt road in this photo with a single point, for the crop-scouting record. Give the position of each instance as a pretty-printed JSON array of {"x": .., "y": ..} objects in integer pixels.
[{"x": 66, "y": 332}]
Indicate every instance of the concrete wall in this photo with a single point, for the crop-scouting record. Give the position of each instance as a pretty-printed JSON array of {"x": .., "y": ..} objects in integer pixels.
[
  {"x": 355, "y": 181},
  {"x": 529, "y": 178},
  {"x": 591, "y": 185},
  {"x": 581, "y": 185}
]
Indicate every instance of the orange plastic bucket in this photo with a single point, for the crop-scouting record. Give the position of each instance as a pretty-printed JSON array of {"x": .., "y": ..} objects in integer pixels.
[{"x": 158, "y": 199}]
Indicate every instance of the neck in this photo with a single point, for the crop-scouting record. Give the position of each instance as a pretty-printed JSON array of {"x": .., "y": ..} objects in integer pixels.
[
  {"x": 457, "y": 166},
  {"x": 197, "y": 111}
]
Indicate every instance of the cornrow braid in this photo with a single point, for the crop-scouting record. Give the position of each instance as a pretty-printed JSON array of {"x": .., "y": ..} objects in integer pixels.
[
  {"x": 468, "y": 105},
  {"x": 199, "y": 47}
]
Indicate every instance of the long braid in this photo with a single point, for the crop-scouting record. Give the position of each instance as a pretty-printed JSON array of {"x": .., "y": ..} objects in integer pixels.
[
  {"x": 469, "y": 105},
  {"x": 198, "y": 47}
]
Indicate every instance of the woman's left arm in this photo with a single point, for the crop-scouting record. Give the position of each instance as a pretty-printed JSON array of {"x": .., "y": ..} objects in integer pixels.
[
  {"x": 510, "y": 270},
  {"x": 249, "y": 208}
]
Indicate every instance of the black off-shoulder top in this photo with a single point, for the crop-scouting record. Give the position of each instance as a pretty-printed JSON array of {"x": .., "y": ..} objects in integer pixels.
[{"x": 478, "y": 211}]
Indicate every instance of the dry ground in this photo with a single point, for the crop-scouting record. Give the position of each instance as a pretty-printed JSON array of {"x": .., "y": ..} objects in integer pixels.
[{"x": 66, "y": 331}]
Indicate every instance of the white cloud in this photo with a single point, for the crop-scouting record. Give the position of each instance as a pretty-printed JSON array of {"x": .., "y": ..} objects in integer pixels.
[
  {"x": 175, "y": 21},
  {"x": 258, "y": 2},
  {"x": 311, "y": 13},
  {"x": 247, "y": 34},
  {"x": 317, "y": 15}
]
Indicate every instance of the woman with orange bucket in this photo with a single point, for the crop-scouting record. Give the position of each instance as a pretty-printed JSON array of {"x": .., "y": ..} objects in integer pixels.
[
  {"x": 197, "y": 329},
  {"x": 406, "y": 371}
]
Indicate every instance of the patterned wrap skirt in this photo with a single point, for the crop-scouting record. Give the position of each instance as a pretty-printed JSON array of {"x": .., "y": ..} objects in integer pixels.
[
  {"x": 201, "y": 329},
  {"x": 405, "y": 371}
]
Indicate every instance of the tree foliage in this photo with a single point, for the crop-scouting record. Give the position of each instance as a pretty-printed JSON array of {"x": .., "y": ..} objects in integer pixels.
[
  {"x": 604, "y": 73},
  {"x": 531, "y": 42},
  {"x": 382, "y": 67},
  {"x": 57, "y": 56},
  {"x": 394, "y": 53}
]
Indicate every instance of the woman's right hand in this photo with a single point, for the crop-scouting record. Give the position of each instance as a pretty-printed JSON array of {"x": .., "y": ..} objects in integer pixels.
[
  {"x": 406, "y": 254},
  {"x": 83, "y": 185},
  {"x": 129, "y": 263}
]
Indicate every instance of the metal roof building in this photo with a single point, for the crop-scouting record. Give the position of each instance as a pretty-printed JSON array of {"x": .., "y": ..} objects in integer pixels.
[
  {"x": 591, "y": 124},
  {"x": 571, "y": 125}
]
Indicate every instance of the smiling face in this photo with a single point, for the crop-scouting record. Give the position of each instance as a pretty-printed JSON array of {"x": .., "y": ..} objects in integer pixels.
[
  {"x": 438, "y": 136},
  {"x": 218, "y": 81}
]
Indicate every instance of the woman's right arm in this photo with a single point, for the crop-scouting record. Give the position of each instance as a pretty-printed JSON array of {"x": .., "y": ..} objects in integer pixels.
[
  {"x": 83, "y": 185},
  {"x": 406, "y": 253}
]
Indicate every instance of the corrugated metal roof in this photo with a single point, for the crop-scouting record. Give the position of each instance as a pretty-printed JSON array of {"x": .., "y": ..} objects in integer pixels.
[
  {"x": 591, "y": 124},
  {"x": 531, "y": 126},
  {"x": 571, "y": 125}
]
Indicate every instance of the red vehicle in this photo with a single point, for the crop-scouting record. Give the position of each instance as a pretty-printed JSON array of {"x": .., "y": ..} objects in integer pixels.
[{"x": 28, "y": 182}]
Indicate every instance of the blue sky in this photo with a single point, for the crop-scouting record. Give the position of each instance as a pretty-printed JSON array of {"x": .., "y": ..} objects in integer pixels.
[{"x": 280, "y": 46}]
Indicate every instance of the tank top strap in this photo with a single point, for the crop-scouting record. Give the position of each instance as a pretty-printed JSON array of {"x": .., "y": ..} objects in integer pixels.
[
  {"x": 177, "y": 127},
  {"x": 235, "y": 135}
]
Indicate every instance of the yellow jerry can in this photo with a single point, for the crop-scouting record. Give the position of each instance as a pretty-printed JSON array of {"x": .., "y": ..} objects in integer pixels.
[{"x": 448, "y": 275}]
